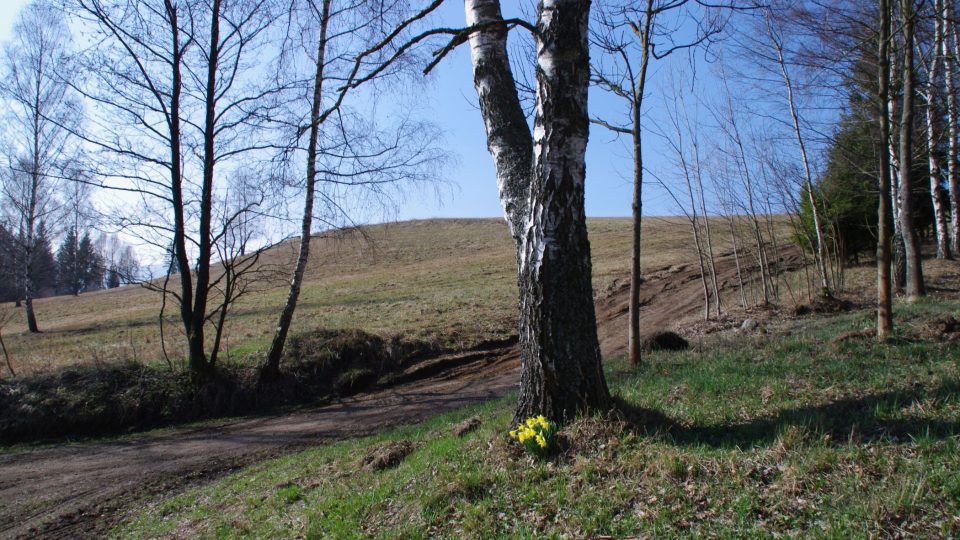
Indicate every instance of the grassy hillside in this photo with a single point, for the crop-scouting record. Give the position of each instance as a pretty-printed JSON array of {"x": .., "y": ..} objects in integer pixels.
[
  {"x": 808, "y": 429},
  {"x": 449, "y": 281}
]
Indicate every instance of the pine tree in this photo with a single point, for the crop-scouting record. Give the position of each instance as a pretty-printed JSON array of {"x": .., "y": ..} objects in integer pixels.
[
  {"x": 90, "y": 264},
  {"x": 68, "y": 270},
  {"x": 43, "y": 265}
]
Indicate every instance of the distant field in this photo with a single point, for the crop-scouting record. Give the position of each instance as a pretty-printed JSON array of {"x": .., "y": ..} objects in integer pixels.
[{"x": 450, "y": 281}]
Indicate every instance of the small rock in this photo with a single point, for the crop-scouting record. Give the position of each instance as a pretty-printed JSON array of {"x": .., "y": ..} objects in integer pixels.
[
  {"x": 749, "y": 325},
  {"x": 466, "y": 426}
]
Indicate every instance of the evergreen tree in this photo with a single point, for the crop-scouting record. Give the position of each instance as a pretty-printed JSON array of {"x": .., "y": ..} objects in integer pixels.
[
  {"x": 68, "y": 268},
  {"x": 43, "y": 265},
  {"x": 90, "y": 264},
  {"x": 8, "y": 266},
  {"x": 113, "y": 277}
]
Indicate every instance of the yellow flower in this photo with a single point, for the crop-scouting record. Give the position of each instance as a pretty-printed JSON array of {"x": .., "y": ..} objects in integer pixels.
[
  {"x": 541, "y": 441},
  {"x": 531, "y": 422}
]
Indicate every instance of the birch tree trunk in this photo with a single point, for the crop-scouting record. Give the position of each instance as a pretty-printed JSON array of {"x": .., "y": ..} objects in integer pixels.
[
  {"x": 898, "y": 253},
  {"x": 541, "y": 183},
  {"x": 818, "y": 228},
  {"x": 911, "y": 239},
  {"x": 272, "y": 365},
  {"x": 950, "y": 60},
  {"x": 941, "y": 221}
]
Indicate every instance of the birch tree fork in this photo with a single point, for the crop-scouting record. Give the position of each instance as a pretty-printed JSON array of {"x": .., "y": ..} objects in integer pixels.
[{"x": 541, "y": 183}]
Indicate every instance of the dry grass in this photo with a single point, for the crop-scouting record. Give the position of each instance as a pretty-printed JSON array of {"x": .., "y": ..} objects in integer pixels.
[{"x": 447, "y": 281}]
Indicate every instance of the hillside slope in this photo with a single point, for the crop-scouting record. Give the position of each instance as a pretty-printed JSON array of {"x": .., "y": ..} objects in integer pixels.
[{"x": 447, "y": 281}]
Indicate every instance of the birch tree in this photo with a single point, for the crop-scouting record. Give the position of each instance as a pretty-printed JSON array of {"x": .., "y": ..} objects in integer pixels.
[
  {"x": 41, "y": 111},
  {"x": 339, "y": 156},
  {"x": 630, "y": 35},
  {"x": 776, "y": 41},
  {"x": 540, "y": 177},
  {"x": 930, "y": 64},
  {"x": 950, "y": 58}
]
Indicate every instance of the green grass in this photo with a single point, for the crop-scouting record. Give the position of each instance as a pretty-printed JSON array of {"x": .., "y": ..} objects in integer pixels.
[{"x": 784, "y": 432}]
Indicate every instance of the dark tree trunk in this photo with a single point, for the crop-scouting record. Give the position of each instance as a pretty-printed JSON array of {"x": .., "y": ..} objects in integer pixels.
[
  {"x": 633, "y": 334},
  {"x": 884, "y": 217},
  {"x": 911, "y": 240},
  {"x": 195, "y": 336},
  {"x": 272, "y": 365},
  {"x": 179, "y": 244},
  {"x": 541, "y": 182}
]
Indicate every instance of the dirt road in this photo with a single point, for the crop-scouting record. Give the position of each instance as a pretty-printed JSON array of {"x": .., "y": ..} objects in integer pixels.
[{"x": 77, "y": 490}]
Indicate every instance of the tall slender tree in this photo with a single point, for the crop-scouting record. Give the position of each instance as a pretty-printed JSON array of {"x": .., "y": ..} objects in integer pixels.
[
  {"x": 911, "y": 238},
  {"x": 41, "y": 113},
  {"x": 884, "y": 210}
]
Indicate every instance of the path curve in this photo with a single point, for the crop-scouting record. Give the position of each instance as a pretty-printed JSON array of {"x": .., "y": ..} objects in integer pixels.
[{"x": 77, "y": 490}]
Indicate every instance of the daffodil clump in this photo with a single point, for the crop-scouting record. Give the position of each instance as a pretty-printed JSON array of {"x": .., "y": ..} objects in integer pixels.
[{"x": 536, "y": 435}]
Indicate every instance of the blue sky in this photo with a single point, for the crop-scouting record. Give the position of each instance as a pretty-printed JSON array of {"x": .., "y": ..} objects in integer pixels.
[
  {"x": 453, "y": 101},
  {"x": 450, "y": 101}
]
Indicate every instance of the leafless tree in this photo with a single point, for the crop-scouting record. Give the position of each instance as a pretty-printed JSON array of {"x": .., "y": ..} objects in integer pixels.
[
  {"x": 630, "y": 35},
  {"x": 775, "y": 33},
  {"x": 344, "y": 153},
  {"x": 180, "y": 101},
  {"x": 735, "y": 147},
  {"x": 687, "y": 161},
  {"x": 931, "y": 59},
  {"x": 41, "y": 112},
  {"x": 950, "y": 56}
]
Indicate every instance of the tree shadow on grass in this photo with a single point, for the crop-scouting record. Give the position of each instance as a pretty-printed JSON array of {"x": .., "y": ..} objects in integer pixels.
[{"x": 849, "y": 420}]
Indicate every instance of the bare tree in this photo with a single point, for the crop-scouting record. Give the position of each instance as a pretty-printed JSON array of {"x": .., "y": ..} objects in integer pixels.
[
  {"x": 180, "y": 98},
  {"x": 775, "y": 35},
  {"x": 40, "y": 109},
  {"x": 541, "y": 179},
  {"x": 690, "y": 169},
  {"x": 950, "y": 58},
  {"x": 726, "y": 116},
  {"x": 345, "y": 154},
  {"x": 629, "y": 35},
  {"x": 911, "y": 239}
]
